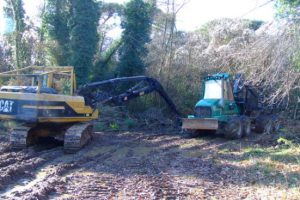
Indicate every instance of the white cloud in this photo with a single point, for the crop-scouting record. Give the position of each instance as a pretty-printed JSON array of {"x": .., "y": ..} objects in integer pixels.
[
  {"x": 197, "y": 12},
  {"x": 192, "y": 15}
]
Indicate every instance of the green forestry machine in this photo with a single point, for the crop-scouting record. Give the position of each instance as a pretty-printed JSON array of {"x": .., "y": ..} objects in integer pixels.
[{"x": 231, "y": 108}]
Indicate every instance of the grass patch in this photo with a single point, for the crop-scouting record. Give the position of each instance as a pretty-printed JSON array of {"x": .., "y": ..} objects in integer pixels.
[
  {"x": 191, "y": 143},
  {"x": 284, "y": 155},
  {"x": 277, "y": 165},
  {"x": 273, "y": 174},
  {"x": 287, "y": 153}
]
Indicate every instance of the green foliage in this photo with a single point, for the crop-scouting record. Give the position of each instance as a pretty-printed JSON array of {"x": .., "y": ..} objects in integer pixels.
[
  {"x": 285, "y": 141},
  {"x": 71, "y": 26},
  {"x": 136, "y": 23},
  {"x": 130, "y": 123},
  {"x": 204, "y": 30},
  {"x": 83, "y": 23},
  {"x": 55, "y": 24},
  {"x": 114, "y": 126},
  {"x": 104, "y": 66},
  {"x": 288, "y": 9},
  {"x": 14, "y": 10},
  {"x": 112, "y": 8}
]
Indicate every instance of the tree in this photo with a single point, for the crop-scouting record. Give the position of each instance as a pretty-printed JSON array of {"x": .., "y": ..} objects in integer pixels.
[
  {"x": 41, "y": 50},
  {"x": 165, "y": 37},
  {"x": 107, "y": 48},
  {"x": 104, "y": 67},
  {"x": 288, "y": 9},
  {"x": 14, "y": 9},
  {"x": 83, "y": 37},
  {"x": 55, "y": 24},
  {"x": 5, "y": 55},
  {"x": 137, "y": 21}
]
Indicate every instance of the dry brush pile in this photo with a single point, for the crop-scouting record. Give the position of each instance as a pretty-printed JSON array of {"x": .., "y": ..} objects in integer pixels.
[{"x": 268, "y": 55}]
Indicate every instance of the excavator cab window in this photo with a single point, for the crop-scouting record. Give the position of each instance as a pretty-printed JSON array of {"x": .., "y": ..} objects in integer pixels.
[
  {"x": 45, "y": 80},
  {"x": 35, "y": 79}
]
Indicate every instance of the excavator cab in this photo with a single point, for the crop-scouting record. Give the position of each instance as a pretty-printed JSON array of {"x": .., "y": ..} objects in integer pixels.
[
  {"x": 52, "y": 80},
  {"x": 43, "y": 95}
]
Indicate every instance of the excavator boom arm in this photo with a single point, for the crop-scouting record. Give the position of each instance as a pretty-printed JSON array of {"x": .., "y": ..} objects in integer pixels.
[{"x": 95, "y": 93}]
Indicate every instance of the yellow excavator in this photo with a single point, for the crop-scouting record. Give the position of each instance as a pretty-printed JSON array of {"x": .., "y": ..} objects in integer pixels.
[{"x": 46, "y": 102}]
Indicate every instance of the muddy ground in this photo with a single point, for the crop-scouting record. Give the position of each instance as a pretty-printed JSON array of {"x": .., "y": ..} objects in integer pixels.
[{"x": 148, "y": 165}]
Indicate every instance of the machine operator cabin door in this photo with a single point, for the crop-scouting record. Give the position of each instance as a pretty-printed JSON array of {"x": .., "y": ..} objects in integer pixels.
[{"x": 230, "y": 107}]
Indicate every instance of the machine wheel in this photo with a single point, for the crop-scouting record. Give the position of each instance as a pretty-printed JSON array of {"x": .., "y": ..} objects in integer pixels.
[
  {"x": 246, "y": 127},
  {"x": 234, "y": 129}
]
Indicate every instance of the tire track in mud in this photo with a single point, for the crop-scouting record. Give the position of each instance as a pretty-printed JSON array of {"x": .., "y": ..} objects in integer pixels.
[
  {"x": 44, "y": 176},
  {"x": 47, "y": 172},
  {"x": 39, "y": 187},
  {"x": 111, "y": 175},
  {"x": 23, "y": 168},
  {"x": 129, "y": 165},
  {"x": 92, "y": 185}
]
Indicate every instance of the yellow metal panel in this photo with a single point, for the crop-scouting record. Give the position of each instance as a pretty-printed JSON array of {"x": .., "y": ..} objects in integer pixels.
[
  {"x": 6, "y": 117},
  {"x": 16, "y": 70},
  {"x": 69, "y": 119},
  {"x": 200, "y": 124},
  {"x": 64, "y": 119},
  {"x": 79, "y": 107},
  {"x": 95, "y": 114},
  {"x": 56, "y": 68},
  {"x": 50, "y": 80},
  {"x": 41, "y": 97},
  {"x": 44, "y": 107}
]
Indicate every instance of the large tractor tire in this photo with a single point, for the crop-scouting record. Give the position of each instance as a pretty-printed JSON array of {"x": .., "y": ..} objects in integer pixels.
[{"x": 234, "y": 129}]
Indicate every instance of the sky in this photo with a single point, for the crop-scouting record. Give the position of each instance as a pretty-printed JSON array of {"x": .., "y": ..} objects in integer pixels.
[
  {"x": 194, "y": 13},
  {"x": 197, "y": 12}
]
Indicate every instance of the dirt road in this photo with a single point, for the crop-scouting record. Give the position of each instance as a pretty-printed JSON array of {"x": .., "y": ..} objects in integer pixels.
[{"x": 138, "y": 165}]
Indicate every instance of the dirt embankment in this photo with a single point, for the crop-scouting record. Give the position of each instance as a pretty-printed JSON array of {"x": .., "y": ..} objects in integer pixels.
[{"x": 149, "y": 165}]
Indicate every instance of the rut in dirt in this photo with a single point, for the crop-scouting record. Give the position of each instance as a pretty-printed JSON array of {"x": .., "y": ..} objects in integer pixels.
[{"x": 126, "y": 165}]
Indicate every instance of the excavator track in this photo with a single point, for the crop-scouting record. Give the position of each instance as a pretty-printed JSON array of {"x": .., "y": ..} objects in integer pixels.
[
  {"x": 77, "y": 136},
  {"x": 19, "y": 137}
]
